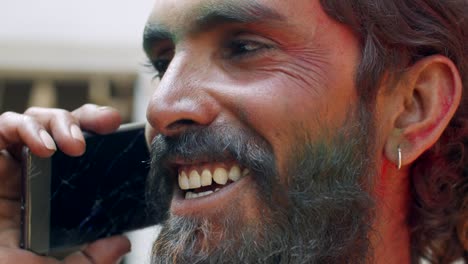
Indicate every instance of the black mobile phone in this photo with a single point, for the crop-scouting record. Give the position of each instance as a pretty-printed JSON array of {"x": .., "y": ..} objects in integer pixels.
[{"x": 69, "y": 201}]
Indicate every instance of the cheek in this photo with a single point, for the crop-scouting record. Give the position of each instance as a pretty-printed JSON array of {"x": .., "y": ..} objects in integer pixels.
[
  {"x": 287, "y": 102},
  {"x": 280, "y": 111},
  {"x": 292, "y": 97}
]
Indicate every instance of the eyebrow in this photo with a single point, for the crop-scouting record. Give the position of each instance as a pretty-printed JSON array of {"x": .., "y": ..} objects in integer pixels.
[
  {"x": 154, "y": 34},
  {"x": 234, "y": 12},
  {"x": 208, "y": 16}
]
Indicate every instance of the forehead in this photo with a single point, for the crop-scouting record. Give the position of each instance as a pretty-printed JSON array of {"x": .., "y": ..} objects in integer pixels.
[{"x": 183, "y": 15}]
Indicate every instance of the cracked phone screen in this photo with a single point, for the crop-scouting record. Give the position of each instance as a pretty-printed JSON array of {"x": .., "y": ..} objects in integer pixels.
[{"x": 101, "y": 193}]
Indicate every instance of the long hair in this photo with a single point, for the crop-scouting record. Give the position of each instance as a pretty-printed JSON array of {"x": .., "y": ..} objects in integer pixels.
[{"x": 394, "y": 34}]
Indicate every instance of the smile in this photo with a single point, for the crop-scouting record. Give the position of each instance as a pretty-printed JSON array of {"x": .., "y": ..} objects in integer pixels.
[
  {"x": 197, "y": 181},
  {"x": 206, "y": 188}
]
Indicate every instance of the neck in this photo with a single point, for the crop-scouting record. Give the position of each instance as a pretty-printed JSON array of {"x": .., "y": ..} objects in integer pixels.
[{"x": 391, "y": 239}]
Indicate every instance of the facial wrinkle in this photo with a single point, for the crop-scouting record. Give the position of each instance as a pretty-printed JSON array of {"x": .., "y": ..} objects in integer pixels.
[{"x": 307, "y": 68}]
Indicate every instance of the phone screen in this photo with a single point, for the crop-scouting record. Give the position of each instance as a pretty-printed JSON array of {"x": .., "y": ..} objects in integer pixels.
[{"x": 101, "y": 193}]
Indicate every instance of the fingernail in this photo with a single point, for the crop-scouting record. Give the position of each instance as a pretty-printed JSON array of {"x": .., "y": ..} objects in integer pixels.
[
  {"x": 104, "y": 108},
  {"x": 76, "y": 133},
  {"x": 47, "y": 140}
]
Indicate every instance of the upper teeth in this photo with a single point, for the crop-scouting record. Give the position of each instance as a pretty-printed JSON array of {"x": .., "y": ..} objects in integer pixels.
[
  {"x": 220, "y": 176},
  {"x": 206, "y": 178},
  {"x": 193, "y": 179}
]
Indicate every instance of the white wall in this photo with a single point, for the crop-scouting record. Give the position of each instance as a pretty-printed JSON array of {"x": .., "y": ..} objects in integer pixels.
[{"x": 72, "y": 35}]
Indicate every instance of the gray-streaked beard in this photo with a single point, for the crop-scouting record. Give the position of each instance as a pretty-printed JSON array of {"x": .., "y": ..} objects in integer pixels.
[{"x": 327, "y": 218}]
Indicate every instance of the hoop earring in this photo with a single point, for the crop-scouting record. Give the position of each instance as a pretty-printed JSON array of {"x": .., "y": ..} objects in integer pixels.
[{"x": 399, "y": 157}]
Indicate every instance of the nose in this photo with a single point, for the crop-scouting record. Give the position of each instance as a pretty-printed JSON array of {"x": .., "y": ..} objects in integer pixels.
[{"x": 180, "y": 102}]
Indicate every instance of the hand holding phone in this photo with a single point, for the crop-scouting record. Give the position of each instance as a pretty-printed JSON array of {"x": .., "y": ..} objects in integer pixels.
[
  {"x": 17, "y": 130},
  {"x": 69, "y": 201}
]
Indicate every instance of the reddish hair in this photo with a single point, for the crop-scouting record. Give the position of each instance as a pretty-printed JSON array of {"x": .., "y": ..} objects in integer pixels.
[{"x": 395, "y": 34}]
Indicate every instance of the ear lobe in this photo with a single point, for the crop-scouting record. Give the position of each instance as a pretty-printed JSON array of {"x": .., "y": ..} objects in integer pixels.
[{"x": 429, "y": 96}]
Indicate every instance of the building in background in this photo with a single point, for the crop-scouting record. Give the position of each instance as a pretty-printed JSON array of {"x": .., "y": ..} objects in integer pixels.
[
  {"x": 61, "y": 53},
  {"x": 64, "y": 53}
]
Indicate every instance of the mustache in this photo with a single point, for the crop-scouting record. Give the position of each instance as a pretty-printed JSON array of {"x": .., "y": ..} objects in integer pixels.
[
  {"x": 213, "y": 144},
  {"x": 216, "y": 143}
]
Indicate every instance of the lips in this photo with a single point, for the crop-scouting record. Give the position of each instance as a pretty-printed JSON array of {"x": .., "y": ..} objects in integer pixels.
[{"x": 197, "y": 181}]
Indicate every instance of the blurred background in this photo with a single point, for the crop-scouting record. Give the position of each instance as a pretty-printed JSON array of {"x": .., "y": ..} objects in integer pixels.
[
  {"x": 57, "y": 53},
  {"x": 62, "y": 53}
]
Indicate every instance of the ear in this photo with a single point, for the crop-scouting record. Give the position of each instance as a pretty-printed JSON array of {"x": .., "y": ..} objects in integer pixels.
[{"x": 423, "y": 103}]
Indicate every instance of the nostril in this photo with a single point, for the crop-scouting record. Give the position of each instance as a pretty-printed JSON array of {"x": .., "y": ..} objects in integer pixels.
[
  {"x": 181, "y": 123},
  {"x": 186, "y": 122}
]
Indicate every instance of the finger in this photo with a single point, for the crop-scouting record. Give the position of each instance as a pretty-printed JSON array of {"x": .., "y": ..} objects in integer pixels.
[
  {"x": 104, "y": 251},
  {"x": 98, "y": 119},
  {"x": 15, "y": 256},
  {"x": 10, "y": 212},
  {"x": 64, "y": 127},
  {"x": 20, "y": 129},
  {"x": 10, "y": 238},
  {"x": 10, "y": 206},
  {"x": 10, "y": 177}
]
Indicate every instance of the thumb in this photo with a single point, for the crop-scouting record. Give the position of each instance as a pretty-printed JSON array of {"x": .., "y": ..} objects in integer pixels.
[{"x": 105, "y": 251}]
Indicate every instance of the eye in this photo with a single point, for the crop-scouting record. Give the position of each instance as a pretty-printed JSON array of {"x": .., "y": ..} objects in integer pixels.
[
  {"x": 161, "y": 62},
  {"x": 161, "y": 65},
  {"x": 242, "y": 48}
]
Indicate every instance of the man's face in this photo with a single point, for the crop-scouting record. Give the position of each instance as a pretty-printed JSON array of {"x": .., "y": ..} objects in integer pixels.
[{"x": 253, "y": 96}]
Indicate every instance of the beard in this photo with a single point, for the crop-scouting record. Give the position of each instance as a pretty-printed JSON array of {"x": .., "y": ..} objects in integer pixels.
[{"x": 320, "y": 211}]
